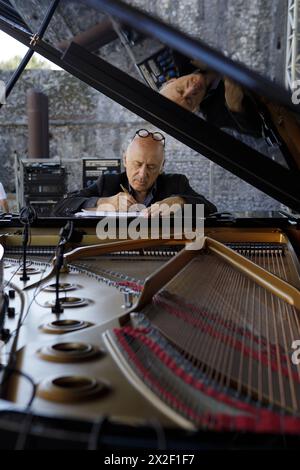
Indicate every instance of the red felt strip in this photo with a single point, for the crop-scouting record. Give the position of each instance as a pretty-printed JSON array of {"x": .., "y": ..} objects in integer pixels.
[{"x": 258, "y": 420}]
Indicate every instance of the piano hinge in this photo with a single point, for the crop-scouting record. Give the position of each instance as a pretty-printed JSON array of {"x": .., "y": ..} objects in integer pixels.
[{"x": 34, "y": 39}]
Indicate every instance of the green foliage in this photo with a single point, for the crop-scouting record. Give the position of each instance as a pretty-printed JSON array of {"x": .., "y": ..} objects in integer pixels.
[{"x": 12, "y": 64}]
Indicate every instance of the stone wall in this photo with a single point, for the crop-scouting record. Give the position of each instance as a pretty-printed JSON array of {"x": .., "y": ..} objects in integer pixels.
[
  {"x": 84, "y": 123},
  {"x": 252, "y": 32}
]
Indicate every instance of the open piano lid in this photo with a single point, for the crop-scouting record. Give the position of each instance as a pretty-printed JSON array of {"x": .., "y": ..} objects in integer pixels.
[{"x": 278, "y": 180}]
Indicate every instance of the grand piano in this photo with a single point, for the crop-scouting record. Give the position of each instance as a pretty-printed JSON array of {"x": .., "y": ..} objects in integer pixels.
[{"x": 156, "y": 344}]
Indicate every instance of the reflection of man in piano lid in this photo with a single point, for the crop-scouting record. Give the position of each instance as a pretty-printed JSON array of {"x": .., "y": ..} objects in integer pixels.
[
  {"x": 143, "y": 182},
  {"x": 221, "y": 101},
  {"x": 190, "y": 90}
]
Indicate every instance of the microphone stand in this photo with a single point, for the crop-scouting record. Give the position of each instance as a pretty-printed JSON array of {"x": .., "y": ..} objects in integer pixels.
[
  {"x": 65, "y": 235},
  {"x": 27, "y": 217}
]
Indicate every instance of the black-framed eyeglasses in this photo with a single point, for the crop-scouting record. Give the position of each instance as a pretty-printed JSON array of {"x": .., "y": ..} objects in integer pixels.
[{"x": 158, "y": 136}]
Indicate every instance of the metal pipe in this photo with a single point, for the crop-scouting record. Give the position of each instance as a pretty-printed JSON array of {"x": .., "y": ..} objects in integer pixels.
[
  {"x": 38, "y": 125},
  {"x": 98, "y": 36}
]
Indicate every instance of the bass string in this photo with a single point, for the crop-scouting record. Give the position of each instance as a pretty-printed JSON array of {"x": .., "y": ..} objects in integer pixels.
[
  {"x": 224, "y": 355},
  {"x": 216, "y": 358},
  {"x": 289, "y": 316},
  {"x": 232, "y": 356},
  {"x": 271, "y": 322},
  {"x": 188, "y": 336},
  {"x": 223, "y": 304},
  {"x": 291, "y": 382},
  {"x": 286, "y": 340},
  {"x": 204, "y": 345},
  {"x": 209, "y": 305},
  {"x": 217, "y": 349},
  {"x": 206, "y": 342}
]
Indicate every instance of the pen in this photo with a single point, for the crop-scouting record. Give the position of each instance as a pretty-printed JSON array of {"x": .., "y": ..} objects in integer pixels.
[
  {"x": 124, "y": 189},
  {"x": 127, "y": 192}
]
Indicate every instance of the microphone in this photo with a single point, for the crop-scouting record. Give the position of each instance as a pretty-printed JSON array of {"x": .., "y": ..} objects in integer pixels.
[
  {"x": 66, "y": 234},
  {"x": 27, "y": 217}
]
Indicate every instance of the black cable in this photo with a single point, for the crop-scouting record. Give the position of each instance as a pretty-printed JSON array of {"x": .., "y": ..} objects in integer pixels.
[
  {"x": 21, "y": 257},
  {"x": 22, "y": 437},
  {"x": 65, "y": 291},
  {"x": 12, "y": 370},
  {"x": 65, "y": 235},
  {"x": 12, "y": 353},
  {"x": 36, "y": 293},
  {"x": 24, "y": 432},
  {"x": 15, "y": 272},
  {"x": 3, "y": 312},
  {"x": 27, "y": 217},
  {"x": 97, "y": 428},
  {"x": 20, "y": 260},
  {"x": 160, "y": 433}
]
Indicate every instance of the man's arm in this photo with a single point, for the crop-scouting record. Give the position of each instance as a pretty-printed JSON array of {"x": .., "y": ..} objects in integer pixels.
[
  {"x": 78, "y": 200},
  {"x": 121, "y": 202},
  {"x": 241, "y": 109},
  {"x": 92, "y": 198},
  {"x": 190, "y": 196},
  {"x": 228, "y": 106},
  {"x": 185, "y": 195}
]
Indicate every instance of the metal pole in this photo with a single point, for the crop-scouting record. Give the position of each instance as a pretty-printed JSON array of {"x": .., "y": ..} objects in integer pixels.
[
  {"x": 18, "y": 72},
  {"x": 38, "y": 124},
  {"x": 92, "y": 39}
]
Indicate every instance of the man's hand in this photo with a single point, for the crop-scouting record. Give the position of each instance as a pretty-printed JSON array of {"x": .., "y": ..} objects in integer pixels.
[
  {"x": 163, "y": 207},
  {"x": 234, "y": 96},
  {"x": 121, "y": 202}
]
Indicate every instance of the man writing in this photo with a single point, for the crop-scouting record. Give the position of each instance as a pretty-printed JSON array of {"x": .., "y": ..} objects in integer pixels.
[{"x": 143, "y": 182}]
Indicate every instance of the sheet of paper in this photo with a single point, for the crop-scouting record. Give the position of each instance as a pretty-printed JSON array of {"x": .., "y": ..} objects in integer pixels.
[{"x": 85, "y": 213}]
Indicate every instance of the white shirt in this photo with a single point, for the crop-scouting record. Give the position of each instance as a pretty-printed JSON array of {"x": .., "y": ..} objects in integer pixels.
[{"x": 2, "y": 192}]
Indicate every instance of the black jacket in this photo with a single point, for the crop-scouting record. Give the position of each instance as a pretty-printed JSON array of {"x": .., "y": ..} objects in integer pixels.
[
  {"x": 108, "y": 185},
  {"x": 214, "y": 108},
  {"x": 215, "y": 111}
]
